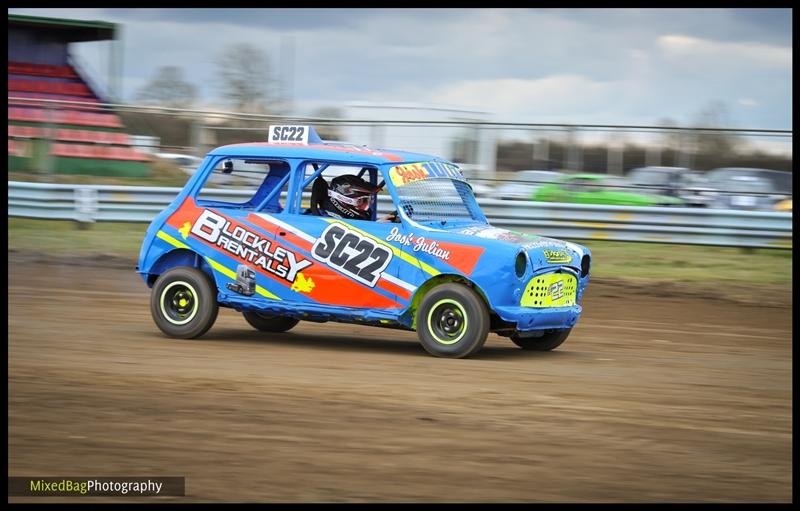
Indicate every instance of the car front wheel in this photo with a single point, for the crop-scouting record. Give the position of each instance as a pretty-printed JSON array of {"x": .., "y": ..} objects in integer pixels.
[{"x": 452, "y": 321}]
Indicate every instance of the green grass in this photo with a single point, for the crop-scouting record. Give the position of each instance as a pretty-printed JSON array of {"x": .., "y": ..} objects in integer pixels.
[
  {"x": 642, "y": 262},
  {"x": 58, "y": 238},
  {"x": 690, "y": 263}
]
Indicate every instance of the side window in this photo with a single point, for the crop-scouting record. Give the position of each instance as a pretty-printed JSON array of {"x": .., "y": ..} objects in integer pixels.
[
  {"x": 246, "y": 184},
  {"x": 574, "y": 185},
  {"x": 588, "y": 185},
  {"x": 316, "y": 198}
]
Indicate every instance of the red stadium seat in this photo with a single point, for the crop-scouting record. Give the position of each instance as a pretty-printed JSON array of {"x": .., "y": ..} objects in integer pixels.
[
  {"x": 94, "y": 152},
  {"x": 64, "y": 117},
  {"x": 28, "y": 82},
  {"x": 25, "y": 68},
  {"x": 48, "y": 87}
]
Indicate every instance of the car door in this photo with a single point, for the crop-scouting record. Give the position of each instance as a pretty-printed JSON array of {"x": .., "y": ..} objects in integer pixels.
[
  {"x": 356, "y": 263},
  {"x": 584, "y": 191},
  {"x": 561, "y": 192}
]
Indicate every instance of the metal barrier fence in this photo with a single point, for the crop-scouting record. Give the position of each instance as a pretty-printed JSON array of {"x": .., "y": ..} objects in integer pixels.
[{"x": 732, "y": 228}]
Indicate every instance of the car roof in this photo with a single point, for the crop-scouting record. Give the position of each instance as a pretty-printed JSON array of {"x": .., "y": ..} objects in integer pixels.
[
  {"x": 662, "y": 169},
  {"x": 323, "y": 151},
  {"x": 591, "y": 176},
  {"x": 748, "y": 178},
  {"x": 746, "y": 169}
]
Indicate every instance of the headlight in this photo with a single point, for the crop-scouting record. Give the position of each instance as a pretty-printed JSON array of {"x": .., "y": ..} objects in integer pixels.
[
  {"x": 585, "y": 264},
  {"x": 520, "y": 264}
]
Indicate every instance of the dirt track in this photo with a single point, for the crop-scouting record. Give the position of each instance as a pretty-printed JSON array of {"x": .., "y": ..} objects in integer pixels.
[{"x": 650, "y": 400}]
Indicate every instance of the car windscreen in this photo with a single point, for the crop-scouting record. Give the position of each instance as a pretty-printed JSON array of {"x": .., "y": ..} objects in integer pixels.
[
  {"x": 186, "y": 162},
  {"x": 536, "y": 177},
  {"x": 748, "y": 184},
  {"x": 782, "y": 181},
  {"x": 608, "y": 184},
  {"x": 779, "y": 181},
  {"x": 439, "y": 199}
]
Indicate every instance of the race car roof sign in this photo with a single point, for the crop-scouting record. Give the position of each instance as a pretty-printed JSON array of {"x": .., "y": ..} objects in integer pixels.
[{"x": 292, "y": 134}]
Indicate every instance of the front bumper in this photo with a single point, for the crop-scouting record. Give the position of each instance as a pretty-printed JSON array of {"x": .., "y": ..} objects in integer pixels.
[{"x": 530, "y": 318}]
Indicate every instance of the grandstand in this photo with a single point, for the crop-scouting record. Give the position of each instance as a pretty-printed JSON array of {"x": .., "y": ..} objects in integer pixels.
[{"x": 84, "y": 137}]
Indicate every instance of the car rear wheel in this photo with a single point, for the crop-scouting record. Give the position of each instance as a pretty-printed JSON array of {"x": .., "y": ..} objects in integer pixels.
[
  {"x": 268, "y": 322},
  {"x": 551, "y": 340},
  {"x": 183, "y": 302},
  {"x": 452, "y": 321}
]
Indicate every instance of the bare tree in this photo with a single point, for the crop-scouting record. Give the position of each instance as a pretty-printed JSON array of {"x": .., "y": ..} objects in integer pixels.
[
  {"x": 720, "y": 144},
  {"x": 244, "y": 78},
  {"x": 168, "y": 88},
  {"x": 671, "y": 139}
]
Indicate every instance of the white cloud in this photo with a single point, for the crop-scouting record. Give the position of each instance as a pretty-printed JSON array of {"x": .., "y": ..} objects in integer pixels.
[
  {"x": 745, "y": 53},
  {"x": 551, "y": 99},
  {"x": 581, "y": 66},
  {"x": 512, "y": 95}
]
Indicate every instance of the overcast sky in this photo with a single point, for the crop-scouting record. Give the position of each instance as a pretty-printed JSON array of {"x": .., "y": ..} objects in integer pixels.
[{"x": 599, "y": 66}]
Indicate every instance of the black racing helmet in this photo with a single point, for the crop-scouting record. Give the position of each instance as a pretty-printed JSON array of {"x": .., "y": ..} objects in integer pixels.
[{"x": 350, "y": 196}]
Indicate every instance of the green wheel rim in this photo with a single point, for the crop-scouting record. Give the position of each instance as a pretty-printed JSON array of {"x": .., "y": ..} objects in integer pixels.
[{"x": 447, "y": 321}]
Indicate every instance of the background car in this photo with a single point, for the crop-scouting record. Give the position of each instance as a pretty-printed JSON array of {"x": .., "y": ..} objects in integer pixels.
[
  {"x": 525, "y": 182},
  {"x": 746, "y": 192},
  {"x": 187, "y": 163},
  {"x": 681, "y": 182},
  {"x": 480, "y": 189},
  {"x": 697, "y": 190},
  {"x": 784, "y": 205},
  {"x": 781, "y": 182},
  {"x": 600, "y": 189},
  {"x": 750, "y": 188}
]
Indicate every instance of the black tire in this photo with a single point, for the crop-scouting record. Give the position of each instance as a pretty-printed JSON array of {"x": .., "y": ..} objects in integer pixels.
[
  {"x": 269, "y": 323},
  {"x": 551, "y": 340},
  {"x": 184, "y": 302},
  {"x": 452, "y": 321}
]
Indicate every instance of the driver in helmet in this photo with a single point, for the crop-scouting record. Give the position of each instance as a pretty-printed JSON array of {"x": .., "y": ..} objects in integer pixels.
[{"x": 350, "y": 197}]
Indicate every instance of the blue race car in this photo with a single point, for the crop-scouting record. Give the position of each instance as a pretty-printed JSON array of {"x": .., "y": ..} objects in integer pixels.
[{"x": 289, "y": 230}]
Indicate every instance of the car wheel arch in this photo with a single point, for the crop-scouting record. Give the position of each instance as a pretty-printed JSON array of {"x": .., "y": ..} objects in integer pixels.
[
  {"x": 442, "y": 278},
  {"x": 179, "y": 257}
]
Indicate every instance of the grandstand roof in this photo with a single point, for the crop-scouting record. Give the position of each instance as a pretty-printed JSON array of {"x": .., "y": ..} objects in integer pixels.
[{"x": 71, "y": 30}]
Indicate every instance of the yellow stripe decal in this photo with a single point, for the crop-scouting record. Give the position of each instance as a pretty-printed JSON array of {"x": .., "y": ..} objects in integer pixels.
[
  {"x": 217, "y": 266},
  {"x": 399, "y": 253},
  {"x": 169, "y": 239}
]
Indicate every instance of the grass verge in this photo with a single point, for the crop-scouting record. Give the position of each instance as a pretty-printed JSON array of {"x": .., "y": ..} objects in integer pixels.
[{"x": 637, "y": 262}]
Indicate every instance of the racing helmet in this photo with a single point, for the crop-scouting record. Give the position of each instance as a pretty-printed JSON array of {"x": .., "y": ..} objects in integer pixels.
[{"x": 350, "y": 196}]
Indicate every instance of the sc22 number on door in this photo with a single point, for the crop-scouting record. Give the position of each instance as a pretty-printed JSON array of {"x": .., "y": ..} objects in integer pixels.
[{"x": 351, "y": 253}]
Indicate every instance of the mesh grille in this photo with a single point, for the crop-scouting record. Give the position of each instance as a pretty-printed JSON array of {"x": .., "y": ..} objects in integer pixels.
[{"x": 430, "y": 200}]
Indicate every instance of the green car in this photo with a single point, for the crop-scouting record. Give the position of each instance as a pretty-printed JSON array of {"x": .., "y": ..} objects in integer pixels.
[{"x": 599, "y": 189}]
